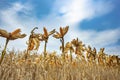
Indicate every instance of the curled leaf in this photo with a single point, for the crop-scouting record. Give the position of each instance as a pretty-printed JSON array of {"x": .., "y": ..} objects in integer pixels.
[{"x": 33, "y": 30}]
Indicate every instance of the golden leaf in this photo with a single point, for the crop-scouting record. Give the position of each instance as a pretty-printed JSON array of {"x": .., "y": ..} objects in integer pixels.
[
  {"x": 61, "y": 31},
  {"x": 65, "y": 30},
  {"x": 34, "y": 43},
  {"x": 37, "y": 43},
  {"x": 17, "y": 31},
  {"x": 13, "y": 35},
  {"x": 75, "y": 42},
  {"x": 40, "y": 37},
  {"x": 22, "y": 36},
  {"x": 68, "y": 45},
  {"x": 31, "y": 45},
  {"x": 4, "y": 33},
  {"x": 52, "y": 32},
  {"x": 66, "y": 49},
  {"x": 45, "y": 32},
  {"x": 16, "y": 36},
  {"x": 57, "y": 35}
]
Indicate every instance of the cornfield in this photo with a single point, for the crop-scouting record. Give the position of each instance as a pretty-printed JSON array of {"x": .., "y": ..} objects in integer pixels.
[{"x": 77, "y": 61}]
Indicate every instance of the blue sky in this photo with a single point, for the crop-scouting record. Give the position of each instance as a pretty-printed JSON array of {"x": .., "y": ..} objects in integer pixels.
[{"x": 95, "y": 22}]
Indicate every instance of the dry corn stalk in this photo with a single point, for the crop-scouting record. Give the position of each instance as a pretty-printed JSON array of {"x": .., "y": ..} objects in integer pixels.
[
  {"x": 45, "y": 37},
  {"x": 10, "y": 36},
  {"x": 60, "y": 35},
  {"x": 101, "y": 56},
  {"x": 79, "y": 48},
  {"x": 91, "y": 54},
  {"x": 34, "y": 41},
  {"x": 69, "y": 47}
]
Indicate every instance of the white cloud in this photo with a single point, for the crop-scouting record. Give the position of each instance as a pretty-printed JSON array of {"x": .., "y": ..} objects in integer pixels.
[
  {"x": 74, "y": 11},
  {"x": 64, "y": 12},
  {"x": 97, "y": 39},
  {"x": 11, "y": 20}
]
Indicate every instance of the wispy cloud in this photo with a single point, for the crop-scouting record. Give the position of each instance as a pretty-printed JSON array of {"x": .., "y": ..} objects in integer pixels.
[
  {"x": 11, "y": 20},
  {"x": 16, "y": 16},
  {"x": 65, "y": 12}
]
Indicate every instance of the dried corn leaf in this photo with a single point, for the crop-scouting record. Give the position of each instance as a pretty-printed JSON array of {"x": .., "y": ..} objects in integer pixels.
[
  {"x": 65, "y": 30},
  {"x": 17, "y": 31},
  {"x": 52, "y": 32},
  {"x": 13, "y": 37},
  {"x": 45, "y": 32},
  {"x": 57, "y": 35},
  {"x": 33, "y": 30},
  {"x": 37, "y": 43},
  {"x": 61, "y": 31},
  {"x": 31, "y": 45},
  {"x": 4, "y": 33}
]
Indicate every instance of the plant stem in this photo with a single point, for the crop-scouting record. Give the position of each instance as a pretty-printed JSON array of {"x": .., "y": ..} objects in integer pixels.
[
  {"x": 45, "y": 49},
  {"x": 4, "y": 51},
  {"x": 63, "y": 47},
  {"x": 71, "y": 55}
]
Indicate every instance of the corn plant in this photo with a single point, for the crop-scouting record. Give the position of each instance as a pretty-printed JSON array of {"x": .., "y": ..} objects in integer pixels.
[
  {"x": 33, "y": 41},
  {"x": 60, "y": 35},
  {"x": 53, "y": 67},
  {"x": 9, "y": 36},
  {"x": 101, "y": 56},
  {"x": 69, "y": 47},
  {"x": 88, "y": 52},
  {"x": 79, "y": 48},
  {"x": 45, "y": 37},
  {"x": 94, "y": 53}
]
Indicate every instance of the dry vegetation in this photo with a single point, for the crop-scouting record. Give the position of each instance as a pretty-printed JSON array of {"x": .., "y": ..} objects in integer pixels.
[{"x": 86, "y": 64}]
